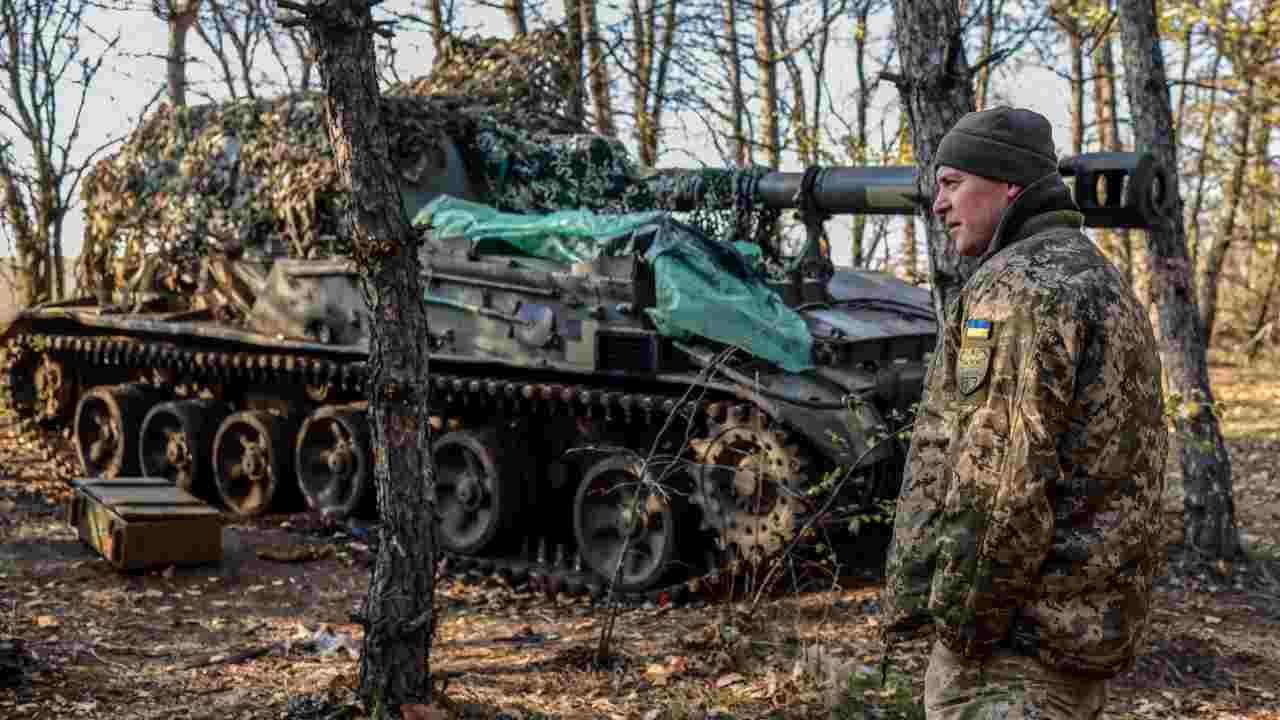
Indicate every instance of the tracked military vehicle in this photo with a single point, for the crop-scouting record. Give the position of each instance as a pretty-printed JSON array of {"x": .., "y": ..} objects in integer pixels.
[
  {"x": 621, "y": 357},
  {"x": 575, "y": 354}
]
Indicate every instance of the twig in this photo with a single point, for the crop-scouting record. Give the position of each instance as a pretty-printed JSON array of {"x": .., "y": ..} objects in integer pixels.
[
  {"x": 103, "y": 660},
  {"x": 611, "y": 604},
  {"x": 243, "y": 656}
]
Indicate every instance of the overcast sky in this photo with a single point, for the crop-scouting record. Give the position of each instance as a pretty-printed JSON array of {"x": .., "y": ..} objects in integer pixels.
[{"x": 136, "y": 73}]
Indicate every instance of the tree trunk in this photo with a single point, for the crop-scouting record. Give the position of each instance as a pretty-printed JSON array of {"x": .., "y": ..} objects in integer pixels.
[
  {"x": 1077, "y": 88},
  {"x": 515, "y": 15},
  {"x": 1209, "y": 506},
  {"x": 1118, "y": 244},
  {"x": 1266, "y": 303},
  {"x": 306, "y": 57},
  {"x": 805, "y": 136},
  {"x": 738, "y": 105},
  {"x": 910, "y": 256},
  {"x": 1206, "y": 141},
  {"x": 397, "y": 614},
  {"x": 435, "y": 10},
  {"x": 1188, "y": 38},
  {"x": 818, "y": 62},
  {"x": 1222, "y": 239},
  {"x": 861, "y": 28},
  {"x": 601, "y": 102},
  {"x": 661, "y": 52},
  {"x": 988, "y": 45},
  {"x": 1258, "y": 202},
  {"x": 642, "y": 57},
  {"x": 573, "y": 25},
  {"x": 768, "y": 68},
  {"x": 181, "y": 16},
  {"x": 936, "y": 89}
]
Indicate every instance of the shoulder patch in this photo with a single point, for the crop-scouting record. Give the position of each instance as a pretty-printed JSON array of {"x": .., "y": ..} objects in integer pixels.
[
  {"x": 977, "y": 329},
  {"x": 971, "y": 368}
]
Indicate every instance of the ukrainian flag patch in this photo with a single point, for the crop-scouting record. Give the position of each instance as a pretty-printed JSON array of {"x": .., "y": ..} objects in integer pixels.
[{"x": 977, "y": 329}]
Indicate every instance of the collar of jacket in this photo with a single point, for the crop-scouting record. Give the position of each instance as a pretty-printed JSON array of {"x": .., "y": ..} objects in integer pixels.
[{"x": 1044, "y": 203}]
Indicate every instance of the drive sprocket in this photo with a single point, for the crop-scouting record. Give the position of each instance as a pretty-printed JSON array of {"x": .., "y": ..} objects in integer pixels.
[{"x": 751, "y": 485}]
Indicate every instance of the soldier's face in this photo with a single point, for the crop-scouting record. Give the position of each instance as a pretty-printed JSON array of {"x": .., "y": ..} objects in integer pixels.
[{"x": 970, "y": 206}]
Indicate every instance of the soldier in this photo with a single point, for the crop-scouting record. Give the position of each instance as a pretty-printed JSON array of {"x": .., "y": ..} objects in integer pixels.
[{"x": 1027, "y": 524}]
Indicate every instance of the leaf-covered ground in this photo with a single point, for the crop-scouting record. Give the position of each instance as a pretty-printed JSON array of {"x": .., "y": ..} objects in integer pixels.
[{"x": 266, "y": 634}]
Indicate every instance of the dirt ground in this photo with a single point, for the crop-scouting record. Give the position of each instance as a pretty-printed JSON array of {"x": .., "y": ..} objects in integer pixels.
[{"x": 266, "y": 635}]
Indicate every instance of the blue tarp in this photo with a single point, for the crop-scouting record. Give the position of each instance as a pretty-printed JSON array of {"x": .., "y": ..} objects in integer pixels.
[{"x": 705, "y": 288}]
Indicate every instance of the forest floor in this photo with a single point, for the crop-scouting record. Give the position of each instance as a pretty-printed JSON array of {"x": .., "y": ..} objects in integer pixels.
[{"x": 267, "y": 634}]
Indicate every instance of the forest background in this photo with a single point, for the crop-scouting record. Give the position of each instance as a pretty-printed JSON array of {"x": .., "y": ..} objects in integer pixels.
[{"x": 780, "y": 83}]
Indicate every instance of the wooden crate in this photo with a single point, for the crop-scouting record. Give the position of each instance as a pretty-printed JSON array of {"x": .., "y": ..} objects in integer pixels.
[{"x": 139, "y": 523}]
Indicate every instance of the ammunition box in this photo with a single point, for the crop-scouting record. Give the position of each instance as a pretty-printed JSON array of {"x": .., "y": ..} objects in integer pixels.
[{"x": 140, "y": 523}]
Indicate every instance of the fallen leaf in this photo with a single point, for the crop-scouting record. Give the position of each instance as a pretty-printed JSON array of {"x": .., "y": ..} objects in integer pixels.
[
  {"x": 658, "y": 674},
  {"x": 295, "y": 553},
  {"x": 423, "y": 712},
  {"x": 727, "y": 680},
  {"x": 46, "y": 621},
  {"x": 1211, "y": 620}
]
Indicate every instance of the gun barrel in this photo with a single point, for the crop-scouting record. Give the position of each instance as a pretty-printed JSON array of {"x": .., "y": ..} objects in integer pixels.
[{"x": 1113, "y": 190}]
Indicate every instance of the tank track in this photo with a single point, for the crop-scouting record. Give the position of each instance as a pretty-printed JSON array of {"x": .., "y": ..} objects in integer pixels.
[{"x": 540, "y": 564}]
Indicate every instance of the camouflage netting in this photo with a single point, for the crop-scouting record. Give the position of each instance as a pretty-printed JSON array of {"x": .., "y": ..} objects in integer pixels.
[{"x": 261, "y": 174}]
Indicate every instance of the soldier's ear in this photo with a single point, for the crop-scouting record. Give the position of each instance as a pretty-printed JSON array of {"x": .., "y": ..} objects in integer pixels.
[{"x": 1012, "y": 192}]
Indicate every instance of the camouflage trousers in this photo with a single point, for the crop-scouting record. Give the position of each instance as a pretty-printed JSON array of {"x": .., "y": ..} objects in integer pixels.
[{"x": 1007, "y": 686}]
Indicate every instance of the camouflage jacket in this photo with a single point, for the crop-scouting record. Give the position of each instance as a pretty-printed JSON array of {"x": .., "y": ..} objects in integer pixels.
[{"x": 1030, "y": 508}]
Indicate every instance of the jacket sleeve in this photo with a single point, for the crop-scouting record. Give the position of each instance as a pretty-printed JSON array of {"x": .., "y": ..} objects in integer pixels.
[
  {"x": 912, "y": 555},
  {"x": 1020, "y": 516}
]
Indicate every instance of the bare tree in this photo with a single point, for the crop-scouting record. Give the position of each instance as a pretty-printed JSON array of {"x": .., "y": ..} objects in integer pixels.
[
  {"x": 1235, "y": 189},
  {"x": 44, "y": 55},
  {"x": 397, "y": 614},
  {"x": 1209, "y": 505},
  {"x": 1249, "y": 51},
  {"x": 652, "y": 45},
  {"x": 1207, "y": 145},
  {"x": 234, "y": 31}
]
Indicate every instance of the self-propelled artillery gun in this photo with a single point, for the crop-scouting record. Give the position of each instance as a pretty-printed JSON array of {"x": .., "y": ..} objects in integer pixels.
[
  {"x": 620, "y": 358},
  {"x": 578, "y": 358}
]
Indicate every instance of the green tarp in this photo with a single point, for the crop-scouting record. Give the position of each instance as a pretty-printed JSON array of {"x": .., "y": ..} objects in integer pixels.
[{"x": 705, "y": 288}]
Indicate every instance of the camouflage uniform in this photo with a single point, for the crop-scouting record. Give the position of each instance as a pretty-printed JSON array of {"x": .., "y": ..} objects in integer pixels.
[{"x": 1029, "y": 512}]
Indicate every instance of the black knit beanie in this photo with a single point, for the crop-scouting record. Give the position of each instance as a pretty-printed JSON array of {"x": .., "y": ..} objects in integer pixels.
[{"x": 1013, "y": 145}]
